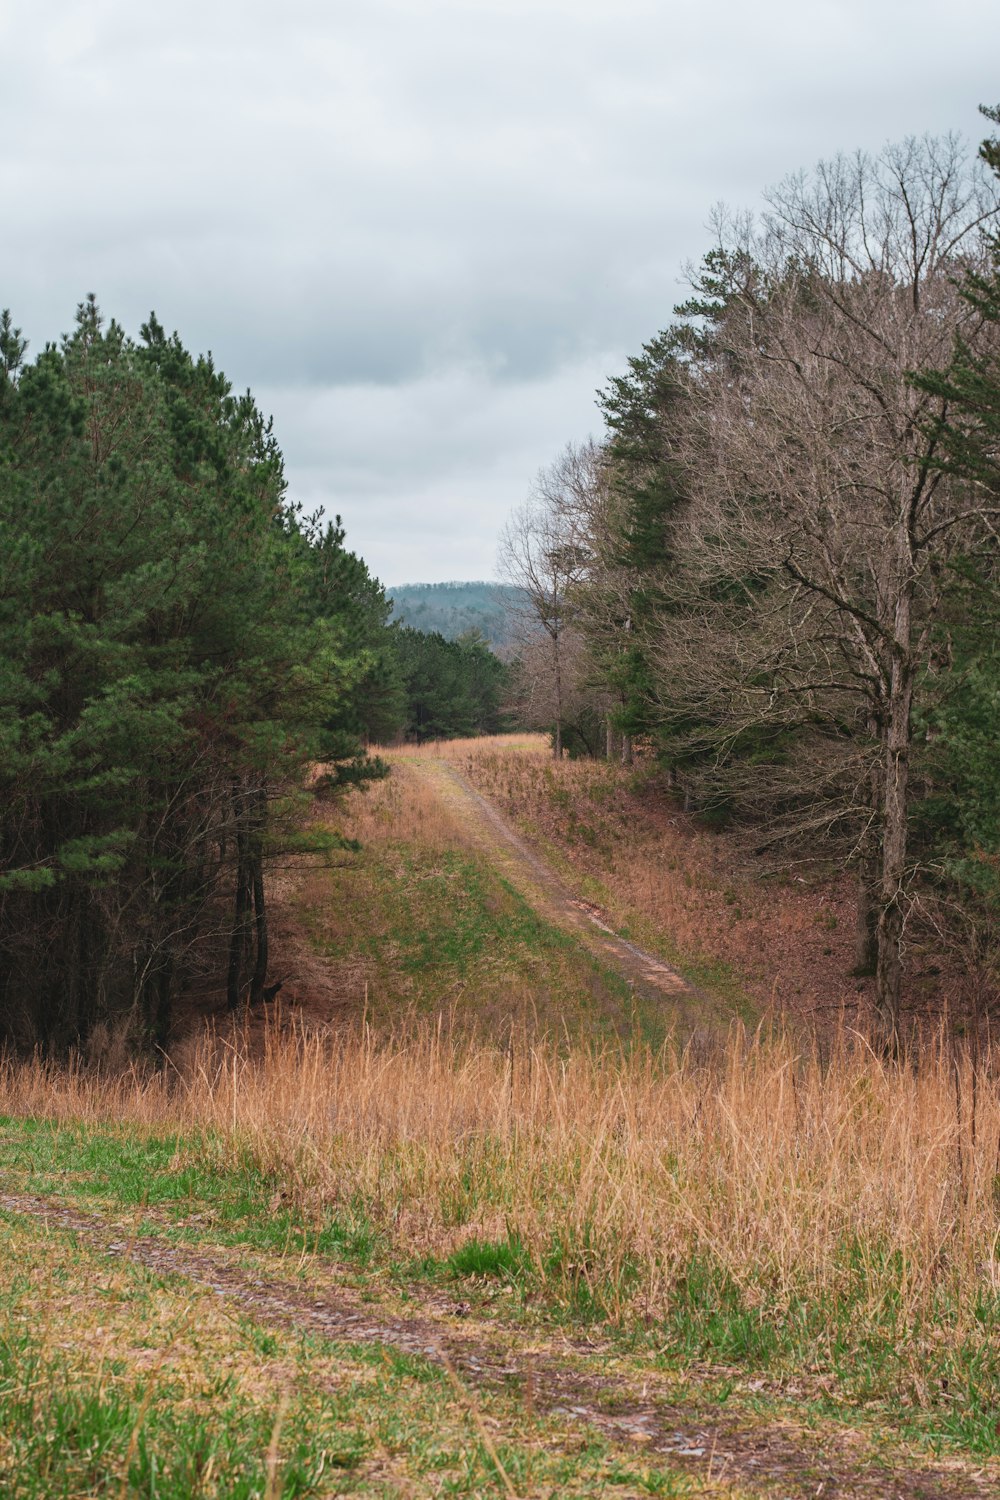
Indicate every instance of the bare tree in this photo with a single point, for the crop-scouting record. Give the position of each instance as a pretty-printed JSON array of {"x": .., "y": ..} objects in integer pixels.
[
  {"x": 815, "y": 492},
  {"x": 543, "y": 552},
  {"x": 585, "y": 702},
  {"x": 605, "y": 595}
]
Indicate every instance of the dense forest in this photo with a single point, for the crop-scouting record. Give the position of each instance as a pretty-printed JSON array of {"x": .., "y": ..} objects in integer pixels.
[
  {"x": 180, "y": 646},
  {"x": 779, "y": 568}
]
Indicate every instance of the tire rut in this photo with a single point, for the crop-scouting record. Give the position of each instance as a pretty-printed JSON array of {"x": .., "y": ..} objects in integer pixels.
[
  {"x": 769, "y": 1459},
  {"x": 488, "y": 827}
]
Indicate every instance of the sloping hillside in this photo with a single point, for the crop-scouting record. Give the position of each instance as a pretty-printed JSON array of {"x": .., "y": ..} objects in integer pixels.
[{"x": 451, "y": 609}]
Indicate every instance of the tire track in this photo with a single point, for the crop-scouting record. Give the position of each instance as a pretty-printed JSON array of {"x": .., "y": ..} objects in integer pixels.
[
  {"x": 769, "y": 1459},
  {"x": 703, "y": 1017}
]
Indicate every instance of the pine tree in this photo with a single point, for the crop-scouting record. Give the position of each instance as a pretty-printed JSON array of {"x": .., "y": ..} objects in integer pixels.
[{"x": 167, "y": 673}]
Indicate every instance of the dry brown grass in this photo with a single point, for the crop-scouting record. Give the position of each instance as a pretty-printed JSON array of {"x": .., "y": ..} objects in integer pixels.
[
  {"x": 844, "y": 1180},
  {"x": 689, "y": 891},
  {"x": 402, "y": 808}
]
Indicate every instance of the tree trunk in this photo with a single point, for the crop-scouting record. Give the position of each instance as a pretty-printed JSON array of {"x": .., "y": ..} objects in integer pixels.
[
  {"x": 895, "y": 820},
  {"x": 241, "y": 912},
  {"x": 163, "y": 1002},
  {"x": 73, "y": 1000},
  {"x": 260, "y": 910},
  {"x": 866, "y": 930},
  {"x": 260, "y": 929},
  {"x": 557, "y": 747},
  {"x": 869, "y": 866}
]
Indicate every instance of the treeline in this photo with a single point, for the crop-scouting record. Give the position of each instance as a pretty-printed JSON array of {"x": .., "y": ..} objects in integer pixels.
[
  {"x": 780, "y": 568},
  {"x": 179, "y": 644},
  {"x": 453, "y": 689}
]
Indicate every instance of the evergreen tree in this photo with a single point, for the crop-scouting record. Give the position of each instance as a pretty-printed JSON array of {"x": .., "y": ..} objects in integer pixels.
[
  {"x": 168, "y": 669},
  {"x": 453, "y": 689},
  {"x": 959, "y": 819}
]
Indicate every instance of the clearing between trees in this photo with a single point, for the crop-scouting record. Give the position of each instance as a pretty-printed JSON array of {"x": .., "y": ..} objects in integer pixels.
[
  {"x": 446, "y": 1246},
  {"x": 472, "y": 845}
]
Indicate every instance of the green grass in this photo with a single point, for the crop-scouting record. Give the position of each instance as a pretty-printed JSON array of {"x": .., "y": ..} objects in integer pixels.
[
  {"x": 836, "y": 1358},
  {"x": 183, "y": 1176},
  {"x": 504, "y": 1260},
  {"x": 148, "y": 1395},
  {"x": 117, "y": 1381},
  {"x": 938, "y": 1390},
  {"x": 441, "y": 926},
  {"x": 191, "y": 1196}
]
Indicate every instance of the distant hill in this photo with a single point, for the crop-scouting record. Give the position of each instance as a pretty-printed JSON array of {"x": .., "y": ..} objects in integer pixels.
[{"x": 453, "y": 608}]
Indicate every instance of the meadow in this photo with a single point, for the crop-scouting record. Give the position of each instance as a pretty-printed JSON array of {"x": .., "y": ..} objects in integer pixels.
[
  {"x": 473, "y": 1227},
  {"x": 817, "y": 1234}
]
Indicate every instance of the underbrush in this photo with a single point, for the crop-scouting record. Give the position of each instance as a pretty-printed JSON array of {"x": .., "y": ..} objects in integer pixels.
[{"x": 771, "y": 1210}]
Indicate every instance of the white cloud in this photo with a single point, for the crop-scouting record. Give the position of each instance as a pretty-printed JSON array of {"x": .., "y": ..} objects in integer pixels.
[
  {"x": 425, "y": 473},
  {"x": 377, "y": 212}
]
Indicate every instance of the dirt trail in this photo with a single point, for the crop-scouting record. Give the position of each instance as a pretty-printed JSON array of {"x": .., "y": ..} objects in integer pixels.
[
  {"x": 695, "y": 1011},
  {"x": 767, "y": 1458},
  {"x": 489, "y": 830}
]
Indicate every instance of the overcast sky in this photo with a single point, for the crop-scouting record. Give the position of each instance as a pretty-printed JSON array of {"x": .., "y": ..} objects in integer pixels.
[{"x": 425, "y": 231}]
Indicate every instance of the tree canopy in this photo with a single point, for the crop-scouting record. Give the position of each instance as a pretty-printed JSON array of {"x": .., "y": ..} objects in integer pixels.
[
  {"x": 177, "y": 642},
  {"x": 787, "y": 560}
]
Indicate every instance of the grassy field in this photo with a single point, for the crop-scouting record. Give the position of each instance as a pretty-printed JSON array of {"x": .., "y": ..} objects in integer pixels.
[
  {"x": 118, "y": 1379},
  {"x": 677, "y": 887},
  {"x": 422, "y": 921},
  {"x": 469, "y": 1222},
  {"x": 772, "y": 1240}
]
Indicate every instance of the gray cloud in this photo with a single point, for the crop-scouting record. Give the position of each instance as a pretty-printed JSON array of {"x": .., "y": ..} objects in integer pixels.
[{"x": 424, "y": 232}]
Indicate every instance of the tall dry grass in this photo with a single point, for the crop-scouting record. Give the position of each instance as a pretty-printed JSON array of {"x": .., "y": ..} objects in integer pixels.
[
  {"x": 843, "y": 1179},
  {"x": 402, "y": 809}
]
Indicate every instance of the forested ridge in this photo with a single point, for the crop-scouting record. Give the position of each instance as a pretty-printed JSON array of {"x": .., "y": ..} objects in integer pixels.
[
  {"x": 778, "y": 570},
  {"x": 456, "y": 609},
  {"x": 180, "y": 645}
]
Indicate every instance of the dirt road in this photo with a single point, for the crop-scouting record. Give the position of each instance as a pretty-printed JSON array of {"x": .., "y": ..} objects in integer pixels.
[{"x": 696, "y": 1013}]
